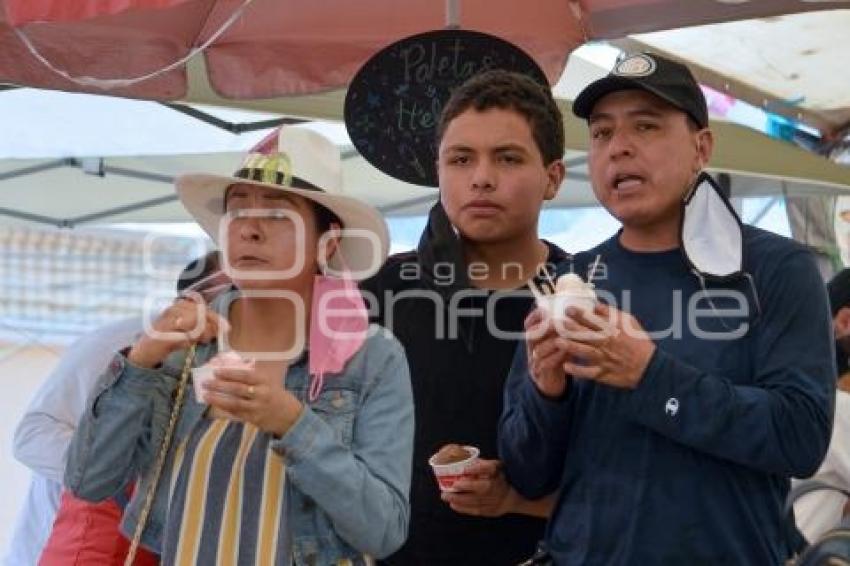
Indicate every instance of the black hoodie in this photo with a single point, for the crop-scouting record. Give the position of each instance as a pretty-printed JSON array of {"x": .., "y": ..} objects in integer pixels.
[{"x": 458, "y": 368}]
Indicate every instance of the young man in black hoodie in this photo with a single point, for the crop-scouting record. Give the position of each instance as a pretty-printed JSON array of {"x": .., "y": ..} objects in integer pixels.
[{"x": 457, "y": 304}]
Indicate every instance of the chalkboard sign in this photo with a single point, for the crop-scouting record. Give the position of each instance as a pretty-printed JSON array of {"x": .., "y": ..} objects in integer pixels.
[{"x": 394, "y": 101}]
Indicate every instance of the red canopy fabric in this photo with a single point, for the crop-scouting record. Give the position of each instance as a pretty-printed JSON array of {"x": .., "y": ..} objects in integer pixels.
[
  {"x": 276, "y": 48},
  {"x": 290, "y": 47},
  {"x": 19, "y": 12}
]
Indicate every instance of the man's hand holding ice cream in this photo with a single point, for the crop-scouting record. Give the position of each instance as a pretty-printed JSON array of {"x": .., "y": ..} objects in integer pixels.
[
  {"x": 606, "y": 345},
  {"x": 546, "y": 324},
  {"x": 545, "y": 357},
  {"x": 483, "y": 491},
  {"x": 471, "y": 485},
  {"x": 583, "y": 338}
]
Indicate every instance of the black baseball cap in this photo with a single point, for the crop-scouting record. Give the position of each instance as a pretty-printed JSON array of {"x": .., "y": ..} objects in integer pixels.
[{"x": 657, "y": 75}]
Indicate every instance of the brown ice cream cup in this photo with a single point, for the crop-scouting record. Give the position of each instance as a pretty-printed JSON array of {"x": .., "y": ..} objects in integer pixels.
[{"x": 448, "y": 474}]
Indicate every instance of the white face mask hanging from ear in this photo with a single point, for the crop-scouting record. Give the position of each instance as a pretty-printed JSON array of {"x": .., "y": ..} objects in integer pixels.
[{"x": 711, "y": 234}]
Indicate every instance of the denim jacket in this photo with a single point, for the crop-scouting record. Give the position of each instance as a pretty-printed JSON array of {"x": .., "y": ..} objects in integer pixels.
[{"x": 348, "y": 456}]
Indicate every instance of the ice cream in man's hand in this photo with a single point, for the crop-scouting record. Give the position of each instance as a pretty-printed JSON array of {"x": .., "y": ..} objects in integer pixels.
[
  {"x": 450, "y": 464},
  {"x": 451, "y": 453},
  {"x": 570, "y": 291},
  {"x": 572, "y": 284}
]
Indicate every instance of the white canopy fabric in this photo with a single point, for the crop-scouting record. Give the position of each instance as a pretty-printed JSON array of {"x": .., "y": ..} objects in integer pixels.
[
  {"x": 792, "y": 65},
  {"x": 56, "y": 146}
]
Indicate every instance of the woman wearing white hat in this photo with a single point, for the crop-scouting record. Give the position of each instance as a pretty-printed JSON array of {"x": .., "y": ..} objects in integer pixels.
[{"x": 298, "y": 449}]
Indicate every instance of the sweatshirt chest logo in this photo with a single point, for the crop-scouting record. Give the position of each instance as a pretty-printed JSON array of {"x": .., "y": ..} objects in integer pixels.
[{"x": 672, "y": 406}]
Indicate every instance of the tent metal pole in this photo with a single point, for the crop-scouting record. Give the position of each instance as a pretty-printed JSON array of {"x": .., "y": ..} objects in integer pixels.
[
  {"x": 23, "y": 171},
  {"x": 71, "y": 222},
  {"x": 31, "y": 217},
  {"x": 232, "y": 127},
  {"x": 143, "y": 175},
  {"x": 122, "y": 172}
]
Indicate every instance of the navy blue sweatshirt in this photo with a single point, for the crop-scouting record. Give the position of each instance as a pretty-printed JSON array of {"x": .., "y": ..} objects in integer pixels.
[{"x": 693, "y": 465}]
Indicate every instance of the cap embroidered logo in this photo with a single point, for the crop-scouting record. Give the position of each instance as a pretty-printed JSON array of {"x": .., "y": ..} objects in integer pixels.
[{"x": 638, "y": 65}]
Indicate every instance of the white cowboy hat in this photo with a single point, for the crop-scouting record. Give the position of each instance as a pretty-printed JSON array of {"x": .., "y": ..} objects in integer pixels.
[{"x": 305, "y": 163}]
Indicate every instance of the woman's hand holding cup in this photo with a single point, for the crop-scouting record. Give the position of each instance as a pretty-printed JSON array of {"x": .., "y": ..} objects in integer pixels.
[{"x": 246, "y": 391}]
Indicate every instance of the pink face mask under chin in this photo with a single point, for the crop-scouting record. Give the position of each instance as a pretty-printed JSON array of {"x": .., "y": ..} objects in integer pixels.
[{"x": 339, "y": 324}]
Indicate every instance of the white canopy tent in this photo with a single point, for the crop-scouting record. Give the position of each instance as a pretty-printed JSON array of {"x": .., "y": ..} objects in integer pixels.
[{"x": 72, "y": 159}]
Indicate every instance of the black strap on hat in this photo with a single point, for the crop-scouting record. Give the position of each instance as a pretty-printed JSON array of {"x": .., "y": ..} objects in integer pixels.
[{"x": 280, "y": 178}]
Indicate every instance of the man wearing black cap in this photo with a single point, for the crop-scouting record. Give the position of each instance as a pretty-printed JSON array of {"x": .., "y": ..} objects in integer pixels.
[{"x": 673, "y": 416}]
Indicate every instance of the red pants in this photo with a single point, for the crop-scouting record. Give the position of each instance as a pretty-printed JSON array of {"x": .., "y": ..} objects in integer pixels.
[{"x": 87, "y": 534}]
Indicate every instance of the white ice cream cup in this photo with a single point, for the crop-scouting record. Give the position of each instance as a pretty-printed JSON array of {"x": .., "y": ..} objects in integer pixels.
[
  {"x": 206, "y": 372},
  {"x": 448, "y": 474},
  {"x": 555, "y": 306},
  {"x": 201, "y": 375}
]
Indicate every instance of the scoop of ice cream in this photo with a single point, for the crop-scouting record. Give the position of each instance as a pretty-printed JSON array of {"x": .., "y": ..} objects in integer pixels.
[
  {"x": 451, "y": 453},
  {"x": 229, "y": 359},
  {"x": 572, "y": 284}
]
